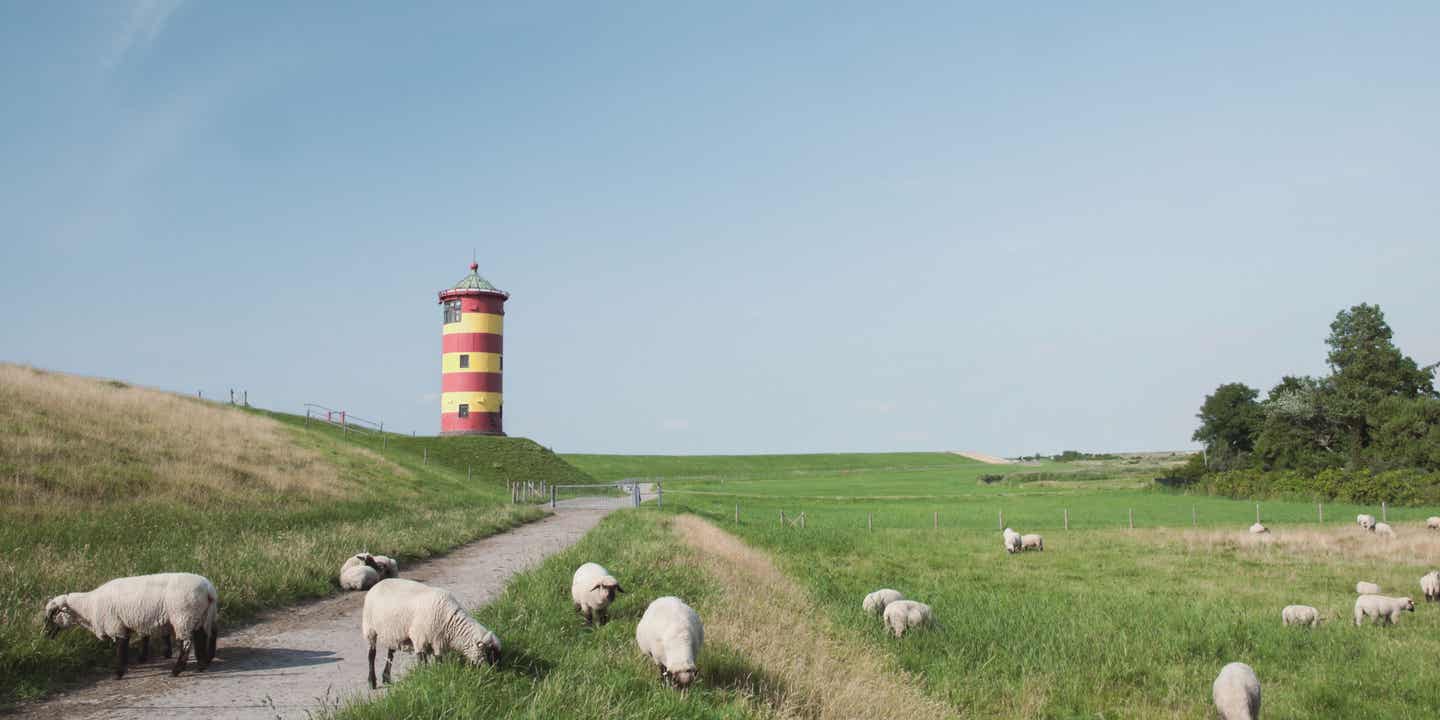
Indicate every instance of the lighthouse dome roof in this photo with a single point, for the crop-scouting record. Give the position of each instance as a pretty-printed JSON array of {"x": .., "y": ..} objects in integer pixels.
[{"x": 473, "y": 284}]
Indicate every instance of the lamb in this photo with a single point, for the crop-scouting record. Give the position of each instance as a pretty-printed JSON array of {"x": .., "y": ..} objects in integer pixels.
[
  {"x": 406, "y": 615},
  {"x": 1258, "y": 529},
  {"x": 670, "y": 632},
  {"x": 1430, "y": 585},
  {"x": 387, "y": 566},
  {"x": 1237, "y": 692},
  {"x": 1012, "y": 540},
  {"x": 1300, "y": 615},
  {"x": 876, "y": 601},
  {"x": 1366, "y": 588},
  {"x": 1384, "y": 529},
  {"x": 1385, "y": 610},
  {"x": 1032, "y": 542},
  {"x": 182, "y": 604},
  {"x": 902, "y": 615},
  {"x": 1366, "y": 522},
  {"x": 593, "y": 588},
  {"x": 1432, "y": 522}
]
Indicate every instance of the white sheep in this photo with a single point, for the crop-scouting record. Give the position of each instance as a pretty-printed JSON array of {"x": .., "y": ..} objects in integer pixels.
[
  {"x": 1237, "y": 692},
  {"x": 1258, "y": 529},
  {"x": 406, "y": 615},
  {"x": 1385, "y": 610},
  {"x": 593, "y": 588},
  {"x": 903, "y": 615},
  {"x": 387, "y": 566},
  {"x": 670, "y": 632},
  {"x": 1432, "y": 522},
  {"x": 1366, "y": 522},
  {"x": 1300, "y": 615},
  {"x": 1366, "y": 588},
  {"x": 876, "y": 601},
  {"x": 1012, "y": 540},
  {"x": 359, "y": 577},
  {"x": 183, "y": 604},
  {"x": 1384, "y": 529},
  {"x": 1430, "y": 585},
  {"x": 1032, "y": 542}
]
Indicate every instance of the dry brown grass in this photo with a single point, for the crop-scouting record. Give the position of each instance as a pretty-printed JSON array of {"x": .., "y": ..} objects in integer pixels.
[
  {"x": 1340, "y": 543},
  {"x": 80, "y": 440},
  {"x": 769, "y": 618}
]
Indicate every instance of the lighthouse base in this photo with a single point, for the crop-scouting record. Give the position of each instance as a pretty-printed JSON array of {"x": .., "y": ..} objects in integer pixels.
[{"x": 453, "y": 433}]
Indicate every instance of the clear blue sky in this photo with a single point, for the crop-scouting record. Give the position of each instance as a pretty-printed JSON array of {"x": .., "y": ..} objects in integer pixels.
[{"x": 749, "y": 227}]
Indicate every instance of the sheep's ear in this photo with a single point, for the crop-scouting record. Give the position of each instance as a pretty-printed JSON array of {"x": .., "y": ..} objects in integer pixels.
[{"x": 619, "y": 589}]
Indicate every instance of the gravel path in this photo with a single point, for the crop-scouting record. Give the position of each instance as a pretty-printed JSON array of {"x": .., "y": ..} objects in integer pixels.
[{"x": 295, "y": 660}]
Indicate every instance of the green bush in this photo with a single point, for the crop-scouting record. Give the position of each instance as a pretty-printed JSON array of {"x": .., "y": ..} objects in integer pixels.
[{"x": 1397, "y": 487}]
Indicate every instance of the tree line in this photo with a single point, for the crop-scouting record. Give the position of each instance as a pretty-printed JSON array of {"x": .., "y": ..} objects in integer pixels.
[{"x": 1367, "y": 431}]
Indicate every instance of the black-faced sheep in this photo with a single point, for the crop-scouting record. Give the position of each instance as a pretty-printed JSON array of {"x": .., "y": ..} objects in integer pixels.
[
  {"x": 182, "y": 604},
  {"x": 671, "y": 633},
  {"x": 1237, "y": 692},
  {"x": 875, "y": 602},
  {"x": 903, "y": 615},
  {"x": 1385, "y": 610},
  {"x": 592, "y": 589}
]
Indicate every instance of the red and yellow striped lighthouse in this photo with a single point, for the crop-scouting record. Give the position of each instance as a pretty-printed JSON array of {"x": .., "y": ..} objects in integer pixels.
[{"x": 472, "y": 357}]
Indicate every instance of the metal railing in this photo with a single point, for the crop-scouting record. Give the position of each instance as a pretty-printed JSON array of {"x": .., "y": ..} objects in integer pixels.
[{"x": 342, "y": 418}]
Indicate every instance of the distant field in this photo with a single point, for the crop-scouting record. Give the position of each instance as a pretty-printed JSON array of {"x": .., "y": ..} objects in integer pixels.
[
  {"x": 620, "y": 467},
  {"x": 99, "y": 479}
]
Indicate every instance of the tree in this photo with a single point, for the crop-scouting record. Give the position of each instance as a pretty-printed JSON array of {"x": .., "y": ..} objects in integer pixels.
[
  {"x": 1366, "y": 369},
  {"x": 1298, "y": 432},
  {"x": 1230, "y": 418},
  {"x": 1406, "y": 434}
]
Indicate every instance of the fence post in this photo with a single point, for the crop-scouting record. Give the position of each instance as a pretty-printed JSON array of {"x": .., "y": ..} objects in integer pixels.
[
  {"x": 1383, "y": 518},
  {"x": 737, "y": 513},
  {"x": 307, "y": 417},
  {"x": 385, "y": 443},
  {"x": 552, "y": 497},
  {"x": 782, "y": 518},
  {"x": 1320, "y": 510},
  {"x": 1132, "y": 518},
  {"x": 869, "y": 523},
  {"x": 247, "y": 398},
  {"x": 659, "y": 494},
  {"x": 802, "y": 521},
  {"x": 937, "y": 521},
  {"x": 1193, "y": 521},
  {"x": 232, "y": 396},
  {"x": 1067, "y": 518},
  {"x": 1002, "y": 520},
  {"x": 427, "y": 454},
  {"x": 1257, "y": 513},
  {"x": 468, "y": 477}
]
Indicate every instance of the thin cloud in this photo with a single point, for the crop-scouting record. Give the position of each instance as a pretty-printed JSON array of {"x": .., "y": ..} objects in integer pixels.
[{"x": 146, "y": 21}]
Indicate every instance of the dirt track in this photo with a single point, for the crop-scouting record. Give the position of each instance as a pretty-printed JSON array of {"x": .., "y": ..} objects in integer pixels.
[{"x": 295, "y": 660}]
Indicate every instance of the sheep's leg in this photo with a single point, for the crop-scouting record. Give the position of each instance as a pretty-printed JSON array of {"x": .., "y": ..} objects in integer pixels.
[
  {"x": 604, "y": 615},
  {"x": 209, "y": 651},
  {"x": 181, "y": 657},
  {"x": 122, "y": 655},
  {"x": 200, "y": 640},
  {"x": 144, "y": 649},
  {"x": 371, "y": 677},
  {"x": 169, "y": 642},
  {"x": 389, "y": 658}
]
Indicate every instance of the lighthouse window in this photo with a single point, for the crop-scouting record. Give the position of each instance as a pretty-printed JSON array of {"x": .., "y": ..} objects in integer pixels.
[
  {"x": 464, "y": 361},
  {"x": 452, "y": 311},
  {"x": 464, "y": 410}
]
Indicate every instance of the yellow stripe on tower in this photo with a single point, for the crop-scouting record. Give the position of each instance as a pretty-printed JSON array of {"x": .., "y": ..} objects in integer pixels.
[
  {"x": 476, "y": 323},
  {"x": 479, "y": 362},
  {"x": 478, "y": 401}
]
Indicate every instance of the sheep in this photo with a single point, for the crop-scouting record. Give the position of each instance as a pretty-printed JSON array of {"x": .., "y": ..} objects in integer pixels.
[
  {"x": 387, "y": 566},
  {"x": 1300, "y": 615},
  {"x": 1385, "y": 610},
  {"x": 1384, "y": 529},
  {"x": 902, "y": 615},
  {"x": 406, "y": 615},
  {"x": 359, "y": 577},
  {"x": 1432, "y": 522},
  {"x": 1258, "y": 529},
  {"x": 184, "y": 604},
  {"x": 1012, "y": 540},
  {"x": 1366, "y": 588},
  {"x": 1237, "y": 692},
  {"x": 1430, "y": 585},
  {"x": 876, "y": 601},
  {"x": 593, "y": 588},
  {"x": 1366, "y": 522},
  {"x": 670, "y": 632},
  {"x": 1032, "y": 542}
]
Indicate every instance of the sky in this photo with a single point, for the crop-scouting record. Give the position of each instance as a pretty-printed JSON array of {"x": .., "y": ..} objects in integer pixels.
[{"x": 741, "y": 227}]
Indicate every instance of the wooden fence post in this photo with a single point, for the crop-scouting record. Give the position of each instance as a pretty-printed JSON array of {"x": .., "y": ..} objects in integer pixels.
[
  {"x": 1132, "y": 518},
  {"x": 802, "y": 521},
  {"x": 937, "y": 521},
  {"x": 1257, "y": 513},
  {"x": 1320, "y": 510},
  {"x": 552, "y": 497},
  {"x": 737, "y": 513},
  {"x": 1067, "y": 518},
  {"x": 782, "y": 518},
  {"x": 1383, "y": 517},
  {"x": 427, "y": 455},
  {"x": 869, "y": 522},
  {"x": 1002, "y": 520},
  {"x": 468, "y": 477}
]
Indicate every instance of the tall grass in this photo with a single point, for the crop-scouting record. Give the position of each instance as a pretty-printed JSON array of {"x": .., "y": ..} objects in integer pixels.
[{"x": 99, "y": 479}]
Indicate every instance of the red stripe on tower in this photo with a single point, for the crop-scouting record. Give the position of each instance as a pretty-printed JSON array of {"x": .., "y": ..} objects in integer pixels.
[{"x": 471, "y": 400}]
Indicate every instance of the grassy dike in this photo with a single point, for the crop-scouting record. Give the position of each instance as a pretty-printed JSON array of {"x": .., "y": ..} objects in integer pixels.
[{"x": 100, "y": 480}]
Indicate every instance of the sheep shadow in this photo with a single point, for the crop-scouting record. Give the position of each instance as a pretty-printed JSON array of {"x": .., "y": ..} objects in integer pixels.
[
  {"x": 245, "y": 659},
  {"x": 724, "y": 668},
  {"x": 519, "y": 660}
]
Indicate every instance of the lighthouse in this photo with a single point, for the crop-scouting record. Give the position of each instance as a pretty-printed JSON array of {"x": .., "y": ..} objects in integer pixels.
[{"x": 472, "y": 357}]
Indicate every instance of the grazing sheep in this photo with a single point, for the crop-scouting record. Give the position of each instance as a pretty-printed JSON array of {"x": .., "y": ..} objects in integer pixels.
[
  {"x": 876, "y": 601},
  {"x": 1366, "y": 588},
  {"x": 593, "y": 588},
  {"x": 359, "y": 577},
  {"x": 1300, "y": 615},
  {"x": 387, "y": 566},
  {"x": 1237, "y": 692},
  {"x": 1366, "y": 522},
  {"x": 670, "y": 632},
  {"x": 1430, "y": 585},
  {"x": 1385, "y": 610},
  {"x": 1384, "y": 529},
  {"x": 406, "y": 615},
  {"x": 1258, "y": 529},
  {"x": 1432, "y": 522},
  {"x": 145, "y": 605},
  {"x": 1032, "y": 542},
  {"x": 902, "y": 615},
  {"x": 1012, "y": 540}
]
